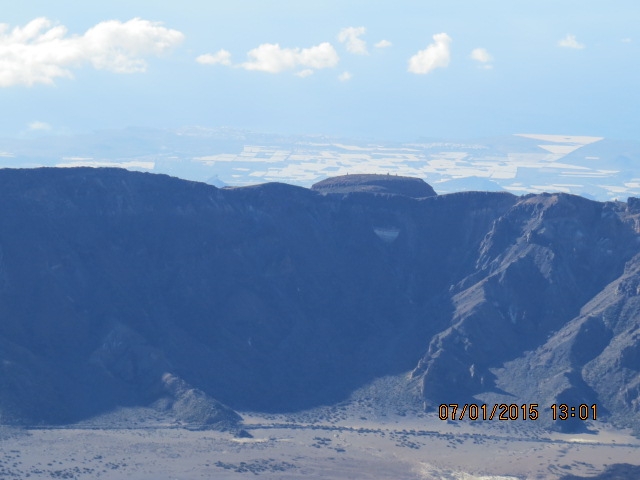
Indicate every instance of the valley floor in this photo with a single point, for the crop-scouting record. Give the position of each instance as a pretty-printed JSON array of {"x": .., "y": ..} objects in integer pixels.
[{"x": 413, "y": 446}]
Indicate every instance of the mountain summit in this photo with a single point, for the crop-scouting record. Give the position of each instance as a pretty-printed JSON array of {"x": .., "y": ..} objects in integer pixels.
[{"x": 372, "y": 183}]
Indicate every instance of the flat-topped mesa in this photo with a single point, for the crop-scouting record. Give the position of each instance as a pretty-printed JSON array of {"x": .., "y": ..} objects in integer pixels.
[{"x": 372, "y": 183}]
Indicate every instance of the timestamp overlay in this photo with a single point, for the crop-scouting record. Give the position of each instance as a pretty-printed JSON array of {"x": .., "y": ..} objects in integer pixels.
[{"x": 516, "y": 411}]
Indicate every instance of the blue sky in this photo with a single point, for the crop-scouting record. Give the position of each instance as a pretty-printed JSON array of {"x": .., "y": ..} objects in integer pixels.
[{"x": 456, "y": 69}]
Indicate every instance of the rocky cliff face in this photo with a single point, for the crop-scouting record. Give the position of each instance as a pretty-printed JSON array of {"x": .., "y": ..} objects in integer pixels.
[
  {"x": 535, "y": 275},
  {"x": 122, "y": 288}
]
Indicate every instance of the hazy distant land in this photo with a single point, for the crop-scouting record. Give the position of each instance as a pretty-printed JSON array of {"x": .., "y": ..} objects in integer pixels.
[{"x": 595, "y": 167}]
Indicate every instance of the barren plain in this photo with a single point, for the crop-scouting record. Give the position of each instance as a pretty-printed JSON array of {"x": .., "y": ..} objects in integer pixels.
[{"x": 374, "y": 435}]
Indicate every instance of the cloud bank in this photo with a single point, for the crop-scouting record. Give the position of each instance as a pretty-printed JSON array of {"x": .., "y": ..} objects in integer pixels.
[
  {"x": 350, "y": 36},
  {"x": 436, "y": 55},
  {"x": 39, "y": 52}
]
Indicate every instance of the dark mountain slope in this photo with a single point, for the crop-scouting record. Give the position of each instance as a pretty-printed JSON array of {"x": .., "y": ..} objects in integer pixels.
[
  {"x": 121, "y": 288},
  {"x": 269, "y": 297}
]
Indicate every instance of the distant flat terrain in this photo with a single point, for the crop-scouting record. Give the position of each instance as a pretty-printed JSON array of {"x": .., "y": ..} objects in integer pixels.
[
  {"x": 392, "y": 447},
  {"x": 526, "y": 162}
]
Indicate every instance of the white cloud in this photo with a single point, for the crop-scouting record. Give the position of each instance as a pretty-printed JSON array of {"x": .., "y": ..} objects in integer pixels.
[
  {"x": 39, "y": 126},
  {"x": 40, "y": 52},
  {"x": 222, "y": 57},
  {"x": 115, "y": 46},
  {"x": 626, "y": 40},
  {"x": 270, "y": 57},
  {"x": 350, "y": 36},
  {"x": 383, "y": 44},
  {"x": 436, "y": 55},
  {"x": 345, "y": 77},
  {"x": 570, "y": 42},
  {"x": 481, "y": 55},
  {"x": 304, "y": 73}
]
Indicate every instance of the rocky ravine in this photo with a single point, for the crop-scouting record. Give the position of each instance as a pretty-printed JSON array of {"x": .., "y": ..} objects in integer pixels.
[{"x": 121, "y": 289}]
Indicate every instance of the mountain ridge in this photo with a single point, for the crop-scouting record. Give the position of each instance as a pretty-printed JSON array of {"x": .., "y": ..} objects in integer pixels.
[{"x": 122, "y": 288}]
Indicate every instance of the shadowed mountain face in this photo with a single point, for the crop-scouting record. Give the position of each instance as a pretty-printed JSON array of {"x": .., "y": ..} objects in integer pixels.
[{"x": 120, "y": 288}]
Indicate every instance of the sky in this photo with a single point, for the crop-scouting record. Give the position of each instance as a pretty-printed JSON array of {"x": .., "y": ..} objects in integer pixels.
[{"x": 393, "y": 70}]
